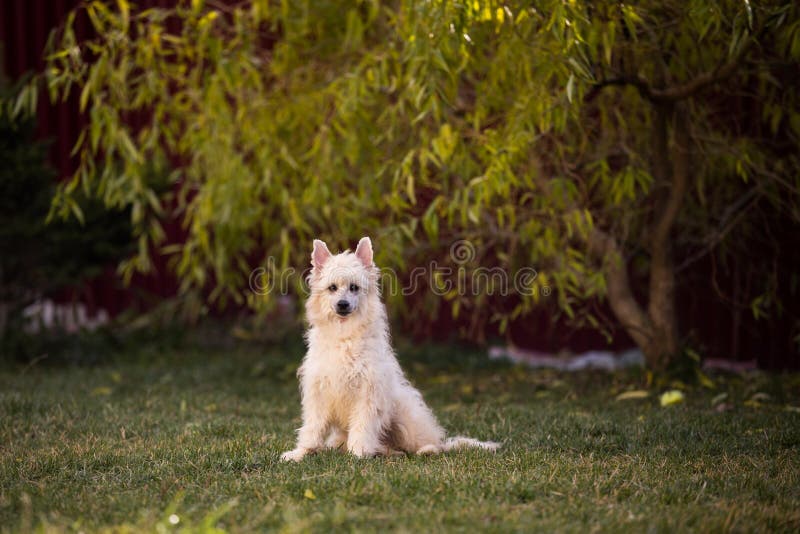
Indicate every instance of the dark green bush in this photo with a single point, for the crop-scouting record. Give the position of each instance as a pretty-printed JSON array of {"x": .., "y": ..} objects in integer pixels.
[{"x": 39, "y": 259}]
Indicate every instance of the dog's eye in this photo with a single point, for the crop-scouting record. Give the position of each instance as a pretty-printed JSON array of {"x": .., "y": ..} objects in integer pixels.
[
  {"x": 332, "y": 288},
  {"x": 353, "y": 288}
]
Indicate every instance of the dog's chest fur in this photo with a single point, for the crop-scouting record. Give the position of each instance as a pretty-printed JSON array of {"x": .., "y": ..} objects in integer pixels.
[{"x": 338, "y": 371}]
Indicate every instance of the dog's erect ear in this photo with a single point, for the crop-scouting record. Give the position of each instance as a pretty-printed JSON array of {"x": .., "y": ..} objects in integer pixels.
[
  {"x": 320, "y": 254},
  {"x": 364, "y": 251}
]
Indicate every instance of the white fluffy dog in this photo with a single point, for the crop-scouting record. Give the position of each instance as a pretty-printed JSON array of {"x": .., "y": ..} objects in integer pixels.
[{"x": 353, "y": 390}]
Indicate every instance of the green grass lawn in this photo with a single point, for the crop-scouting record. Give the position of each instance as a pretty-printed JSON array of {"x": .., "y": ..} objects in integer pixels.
[{"x": 194, "y": 437}]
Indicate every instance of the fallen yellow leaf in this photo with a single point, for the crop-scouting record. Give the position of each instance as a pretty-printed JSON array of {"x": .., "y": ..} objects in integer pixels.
[
  {"x": 309, "y": 494},
  {"x": 101, "y": 390},
  {"x": 672, "y": 396},
  {"x": 635, "y": 394}
]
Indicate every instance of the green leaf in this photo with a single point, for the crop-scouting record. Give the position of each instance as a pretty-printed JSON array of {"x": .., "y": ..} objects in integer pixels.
[
  {"x": 570, "y": 87},
  {"x": 410, "y": 189}
]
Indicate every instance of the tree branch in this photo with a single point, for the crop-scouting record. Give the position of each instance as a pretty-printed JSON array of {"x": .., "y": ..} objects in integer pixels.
[
  {"x": 623, "y": 304},
  {"x": 680, "y": 91},
  {"x": 726, "y": 225},
  {"x": 700, "y": 82}
]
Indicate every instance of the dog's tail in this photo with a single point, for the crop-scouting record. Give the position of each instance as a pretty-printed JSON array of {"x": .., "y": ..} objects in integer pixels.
[{"x": 462, "y": 442}]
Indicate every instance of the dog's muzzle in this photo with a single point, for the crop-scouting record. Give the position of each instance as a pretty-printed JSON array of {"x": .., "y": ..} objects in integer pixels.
[{"x": 343, "y": 308}]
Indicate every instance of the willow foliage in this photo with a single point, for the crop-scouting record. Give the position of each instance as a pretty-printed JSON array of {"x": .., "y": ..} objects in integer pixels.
[{"x": 523, "y": 127}]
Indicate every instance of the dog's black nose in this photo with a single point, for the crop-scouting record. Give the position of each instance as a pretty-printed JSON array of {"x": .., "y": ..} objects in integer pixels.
[{"x": 342, "y": 306}]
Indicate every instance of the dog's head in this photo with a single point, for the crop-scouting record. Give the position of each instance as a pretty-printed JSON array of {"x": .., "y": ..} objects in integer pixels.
[{"x": 341, "y": 284}]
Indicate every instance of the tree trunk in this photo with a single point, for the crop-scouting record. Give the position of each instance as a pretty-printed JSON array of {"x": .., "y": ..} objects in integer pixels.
[
  {"x": 654, "y": 330},
  {"x": 663, "y": 346}
]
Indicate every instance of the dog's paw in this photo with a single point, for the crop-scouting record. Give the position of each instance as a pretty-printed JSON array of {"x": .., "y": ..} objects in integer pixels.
[
  {"x": 363, "y": 451},
  {"x": 429, "y": 449},
  {"x": 295, "y": 455}
]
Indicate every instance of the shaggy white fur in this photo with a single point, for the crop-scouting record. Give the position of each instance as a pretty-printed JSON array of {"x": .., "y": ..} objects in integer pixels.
[{"x": 353, "y": 391}]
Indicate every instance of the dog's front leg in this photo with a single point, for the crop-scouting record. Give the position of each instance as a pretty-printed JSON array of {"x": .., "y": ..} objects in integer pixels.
[
  {"x": 311, "y": 435},
  {"x": 310, "y": 438},
  {"x": 366, "y": 428}
]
